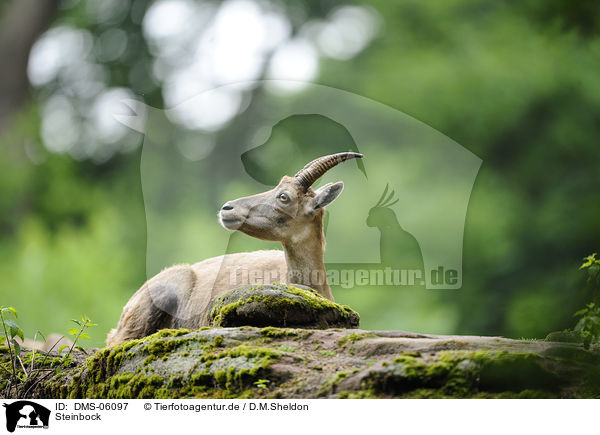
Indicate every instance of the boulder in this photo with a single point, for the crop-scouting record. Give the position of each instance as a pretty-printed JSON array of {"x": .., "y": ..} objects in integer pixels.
[
  {"x": 270, "y": 362},
  {"x": 280, "y": 305}
]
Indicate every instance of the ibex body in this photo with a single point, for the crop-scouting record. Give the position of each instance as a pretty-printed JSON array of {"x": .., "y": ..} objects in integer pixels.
[{"x": 291, "y": 213}]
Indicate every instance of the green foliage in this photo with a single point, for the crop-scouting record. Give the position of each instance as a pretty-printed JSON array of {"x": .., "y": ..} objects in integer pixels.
[
  {"x": 592, "y": 266},
  {"x": 11, "y": 331},
  {"x": 22, "y": 379},
  {"x": 79, "y": 333},
  {"x": 588, "y": 324}
]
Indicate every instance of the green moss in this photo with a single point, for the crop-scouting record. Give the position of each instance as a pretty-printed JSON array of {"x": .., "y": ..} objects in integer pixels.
[
  {"x": 161, "y": 347},
  {"x": 327, "y": 353},
  {"x": 126, "y": 386},
  {"x": 463, "y": 374},
  {"x": 502, "y": 371},
  {"x": 222, "y": 313},
  {"x": 163, "y": 333},
  {"x": 219, "y": 373},
  {"x": 149, "y": 360},
  {"x": 273, "y": 332},
  {"x": 351, "y": 338},
  {"x": 316, "y": 301},
  {"x": 330, "y": 385},
  {"x": 359, "y": 394}
]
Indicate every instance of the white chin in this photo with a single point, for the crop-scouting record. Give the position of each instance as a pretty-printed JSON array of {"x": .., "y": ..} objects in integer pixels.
[{"x": 230, "y": 224}]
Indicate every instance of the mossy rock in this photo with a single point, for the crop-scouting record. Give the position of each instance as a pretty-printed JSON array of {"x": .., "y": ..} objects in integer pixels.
[
  {"x": 271, "y": 362},
  {"x": 565, "y": 337},
  {"x": 280, "y": 305}
]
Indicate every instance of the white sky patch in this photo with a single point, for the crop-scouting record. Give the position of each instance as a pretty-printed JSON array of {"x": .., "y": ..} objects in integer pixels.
[
  {"x": 56, "y": 49},
  {"x": 167, "y": 19},
  {"x": 170, "y": 26},
  {"x": 296, "y": 63},
  {"x": 241, "y": 36},
  {"x": 347, "y": 31},
  {"x": 102, "y": 114},
  {"x": 232, "y": 48},
  {"x": 208, "y": 110}
]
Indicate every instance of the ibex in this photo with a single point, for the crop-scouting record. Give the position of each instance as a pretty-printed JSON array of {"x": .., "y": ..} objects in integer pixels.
[{"x": 291, "y": 213}]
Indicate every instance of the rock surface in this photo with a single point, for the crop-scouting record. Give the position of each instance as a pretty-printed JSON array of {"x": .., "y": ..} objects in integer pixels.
[{"x": 336, "y": 363}]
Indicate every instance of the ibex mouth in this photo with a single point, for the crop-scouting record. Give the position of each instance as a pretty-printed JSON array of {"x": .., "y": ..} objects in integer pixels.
[{"x": 230, "y": 222}]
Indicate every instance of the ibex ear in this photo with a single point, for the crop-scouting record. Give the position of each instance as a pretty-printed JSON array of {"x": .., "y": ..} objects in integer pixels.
[{"x": 326, "y": 194}]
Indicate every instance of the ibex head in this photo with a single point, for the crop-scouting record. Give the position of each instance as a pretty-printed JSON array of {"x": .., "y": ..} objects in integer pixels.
[{"x": 282, "y": 213}]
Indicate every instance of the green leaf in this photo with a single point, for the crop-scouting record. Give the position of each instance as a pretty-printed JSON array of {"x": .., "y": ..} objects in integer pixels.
[
  {"x": 84, "y": 335},
  {"x": 11, "y": 324},
  {"x": 73, "y": 331},
  {"x": 63, "y": 347},
  {"x": 16, "y": 346},
  {"x": 12, "y": 310},
  {"x": 81, "y": 349},
  {"x": 2, "y": 339},
  {"x": 589, "y": 260},
  {"x": 13, "y": 328},
  {"x": 76, "y": 321}
]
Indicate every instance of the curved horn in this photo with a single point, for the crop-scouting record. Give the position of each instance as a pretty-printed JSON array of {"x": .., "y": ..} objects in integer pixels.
[{"x": 315, "y": 169}]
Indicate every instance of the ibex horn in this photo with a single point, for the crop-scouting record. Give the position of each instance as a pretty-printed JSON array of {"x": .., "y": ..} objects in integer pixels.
[{"x": 315, "y": 169}]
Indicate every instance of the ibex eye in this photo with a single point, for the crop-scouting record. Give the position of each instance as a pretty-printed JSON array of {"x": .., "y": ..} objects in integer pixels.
[{"x": 283, "y": 197}]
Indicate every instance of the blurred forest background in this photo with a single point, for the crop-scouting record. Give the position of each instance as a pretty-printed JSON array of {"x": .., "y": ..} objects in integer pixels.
[{"x": 516, "y": 83}]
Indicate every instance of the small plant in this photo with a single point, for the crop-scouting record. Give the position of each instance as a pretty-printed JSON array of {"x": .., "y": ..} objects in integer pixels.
[
  {"x": 588, "y": 325},
  {"x": 261, "y": 383},
  {"x": 77, "y": 333},
  {"x": 19, "y": 378},
  {"x": 12, "y": 330},
  {"x": 591, "y": 265}
]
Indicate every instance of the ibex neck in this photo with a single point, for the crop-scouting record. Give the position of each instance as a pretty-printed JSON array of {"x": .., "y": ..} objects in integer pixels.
[{"x": 304, "y": 258}]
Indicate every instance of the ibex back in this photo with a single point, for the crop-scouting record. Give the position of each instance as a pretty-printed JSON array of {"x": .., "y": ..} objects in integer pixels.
[{"x": 291, "y": 213}]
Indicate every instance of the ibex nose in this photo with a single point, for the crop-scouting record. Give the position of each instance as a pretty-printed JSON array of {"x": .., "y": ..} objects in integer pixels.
[{"x": 227, "y": 206}]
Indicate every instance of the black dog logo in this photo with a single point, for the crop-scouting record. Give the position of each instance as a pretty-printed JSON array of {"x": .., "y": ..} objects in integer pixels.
[{"x": 26, "y": 413}]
